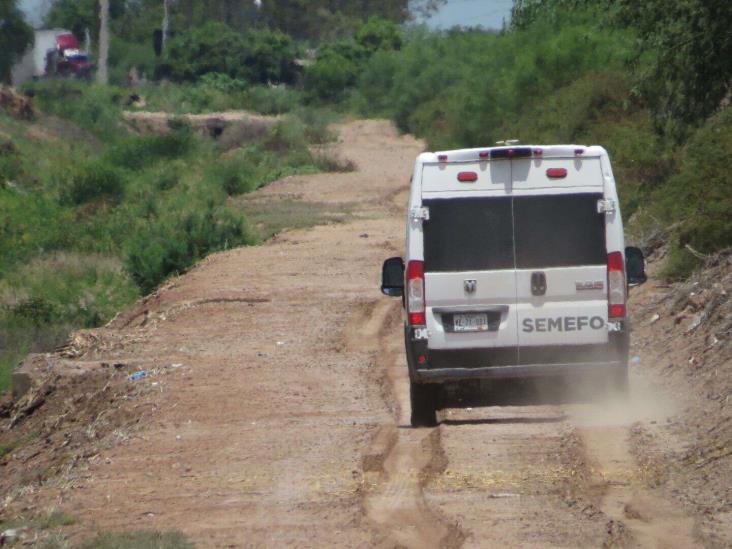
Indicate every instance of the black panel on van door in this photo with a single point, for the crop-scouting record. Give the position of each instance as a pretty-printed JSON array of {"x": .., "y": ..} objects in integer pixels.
[{"x": 468, "y": 234}]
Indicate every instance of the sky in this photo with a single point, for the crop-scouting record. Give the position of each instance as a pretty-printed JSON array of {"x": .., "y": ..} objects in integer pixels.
[
  {"x": 471, "y": 13},
  {"x": 487, "y": 13},
  {"x": 34, "y": 10}
]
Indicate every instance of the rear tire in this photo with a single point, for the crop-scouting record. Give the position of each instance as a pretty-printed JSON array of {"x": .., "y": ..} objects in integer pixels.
[{"x": 423, "y": 398}]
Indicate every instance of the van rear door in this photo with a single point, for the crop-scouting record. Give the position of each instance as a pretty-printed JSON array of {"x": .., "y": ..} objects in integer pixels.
[
  {"x": 469, "y": 275},
  {"x": 561, "y": 258}
]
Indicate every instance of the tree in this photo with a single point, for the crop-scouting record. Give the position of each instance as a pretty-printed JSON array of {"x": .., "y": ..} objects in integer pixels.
[
  {"x": 691, "y": 46},
  {"x": 379, "y": 34},
  {"x": 102, "y": 73},
  {"x": 79, "y": 15},
  {"x": 258, "y": 55},
  {"x": 15, "y": 37}
]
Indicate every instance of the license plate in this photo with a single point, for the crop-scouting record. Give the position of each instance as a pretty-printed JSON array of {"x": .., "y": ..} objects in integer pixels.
[{"x": 470, "y": 322}]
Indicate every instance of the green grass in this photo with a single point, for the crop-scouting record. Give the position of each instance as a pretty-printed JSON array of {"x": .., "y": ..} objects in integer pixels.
[
  {"x": 270, "y": 216},
  {"x": 218, "y": 94}
]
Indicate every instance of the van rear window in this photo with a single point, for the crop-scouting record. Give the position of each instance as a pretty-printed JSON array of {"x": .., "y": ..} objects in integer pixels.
[
  {"x": 558, "y": 231},
  {"x": 468, "y": 234},
  {"x": 528, "y": 232}
]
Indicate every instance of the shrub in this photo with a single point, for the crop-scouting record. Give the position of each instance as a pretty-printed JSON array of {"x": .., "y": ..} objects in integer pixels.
[
  {"x": 271, "y": 100},
  {"x": 92, "y": 107},
  {"x": 170, "y": 246},
  {"x": 235, "y": 175},
  {"x": 36, "y": 310},
  {"x": 223, "y": 82},
  {"x": 10, "y": 162},
  {"x": 96, "y": 179},
  {"x": 287, "y": 135},
  {"x": 379, "y": 34},
  {"x": 336, "y": 68},
  {"x": 124, "y": 55},
  {"x": 697, "y": 199},
  {"x": 317, "y": 124},
  {"x": 137, "y": 152}
]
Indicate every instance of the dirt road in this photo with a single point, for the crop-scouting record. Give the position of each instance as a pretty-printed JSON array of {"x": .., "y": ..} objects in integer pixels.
[{"x": 275, "y": 409}]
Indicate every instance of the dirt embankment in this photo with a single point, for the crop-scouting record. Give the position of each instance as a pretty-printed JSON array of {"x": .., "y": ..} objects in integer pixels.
[{"x": 262, "y": 400}]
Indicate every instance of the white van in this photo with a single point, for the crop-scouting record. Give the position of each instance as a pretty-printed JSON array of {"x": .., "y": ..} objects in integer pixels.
[{"x": 515, "y": 267}]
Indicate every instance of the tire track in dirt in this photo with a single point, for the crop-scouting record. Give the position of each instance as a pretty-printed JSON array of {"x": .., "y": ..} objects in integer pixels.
[
  {"x": 399, "y": 460},
  {"x": 641, "y": 516}
]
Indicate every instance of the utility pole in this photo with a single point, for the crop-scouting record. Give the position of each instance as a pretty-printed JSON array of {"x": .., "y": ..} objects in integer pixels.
[{"x": 102, "y": 72}]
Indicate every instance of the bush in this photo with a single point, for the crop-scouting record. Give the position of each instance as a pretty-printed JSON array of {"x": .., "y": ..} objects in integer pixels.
[
  {"x": 96, "y": 179},
  {"x": 137, "y": 152},
  {"x": 271, "y": 100},
  {"x": 235, "y": 175},
  {"x": 36, "y": 310},
  {"x": 10, "y": 162},
  {"x": 330, "y": 76},
  {"x": 30, "y": 223},
  {"x": 317, "y": 124},
  {"x": 92, "y": 107},
  {"x": 697, "y": 199},
  {"x": 379, "y": 34},
  {"x": 170, "y": 246},
  {"x": 124, "y": 55}
]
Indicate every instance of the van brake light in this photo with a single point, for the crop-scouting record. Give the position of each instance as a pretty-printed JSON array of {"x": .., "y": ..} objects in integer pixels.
[
  {"x": 467, "y": 177},
  {"x": 415, "y": 293},
  {"x": 615, "y": 285},
  {"x": 556, "y": 173}
]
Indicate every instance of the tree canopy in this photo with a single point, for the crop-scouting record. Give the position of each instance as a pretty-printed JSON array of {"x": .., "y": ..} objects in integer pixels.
[{"x": 15, "y": 36}]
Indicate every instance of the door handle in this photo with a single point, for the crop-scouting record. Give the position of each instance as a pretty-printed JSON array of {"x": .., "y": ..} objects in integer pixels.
[{"x": 538, "y": 283}]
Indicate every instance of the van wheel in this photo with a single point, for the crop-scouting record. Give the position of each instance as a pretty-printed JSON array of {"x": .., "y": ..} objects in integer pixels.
[{"x": 423, "y": 398}]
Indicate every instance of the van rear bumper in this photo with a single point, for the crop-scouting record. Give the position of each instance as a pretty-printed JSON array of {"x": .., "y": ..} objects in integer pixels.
[
  {"x": 523, "y": 371},
  {"x": 437, "y": 366}
]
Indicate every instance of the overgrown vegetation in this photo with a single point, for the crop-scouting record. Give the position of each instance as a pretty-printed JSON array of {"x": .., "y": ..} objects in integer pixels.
[
  {"x": 92, "y": 216},
  {"x": 649, "y": 81}
]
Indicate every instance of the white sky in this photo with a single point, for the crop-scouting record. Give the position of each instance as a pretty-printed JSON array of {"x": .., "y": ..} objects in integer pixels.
[{"x": 34, "y": 10}]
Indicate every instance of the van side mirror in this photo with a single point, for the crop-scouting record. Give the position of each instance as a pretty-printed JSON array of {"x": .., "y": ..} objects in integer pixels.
[
  {"x": 635, "y": 266},
  {"x": 392, "y": 277}
]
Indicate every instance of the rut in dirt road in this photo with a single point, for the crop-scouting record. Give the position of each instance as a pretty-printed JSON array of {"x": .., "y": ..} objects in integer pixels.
[{"x": 400, "y": 459}]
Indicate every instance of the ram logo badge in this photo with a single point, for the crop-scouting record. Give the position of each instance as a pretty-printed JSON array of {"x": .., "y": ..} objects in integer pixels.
[{"x": 470, "y": 285}]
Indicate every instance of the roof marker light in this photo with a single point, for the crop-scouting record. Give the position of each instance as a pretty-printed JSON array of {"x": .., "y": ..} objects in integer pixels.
[
  {"x": 579, "y": 152},
  {"x": 538, "y": 152},
  {"x": 556, "y": 173},
  {"x": 484, "y": 154},
  {"x": 467, "y": 177},
  {"x": 442, "y": 158}
]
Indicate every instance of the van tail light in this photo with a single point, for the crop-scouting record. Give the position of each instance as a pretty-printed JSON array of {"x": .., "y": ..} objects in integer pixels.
[
  {"x": 556, "y": 173},
  {"x": 467, "y": 177},
  {"x": 615, "y": 285},
  {"x": 415, "y": 293}
]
